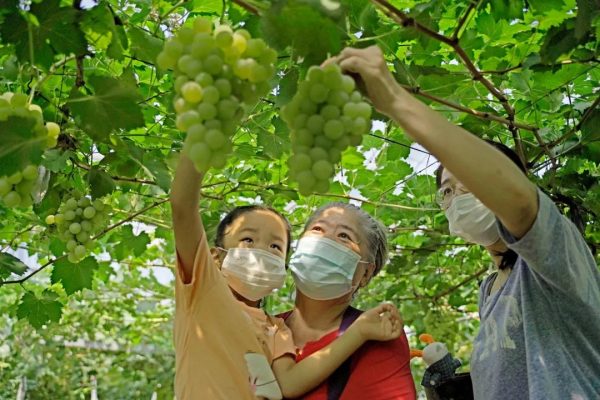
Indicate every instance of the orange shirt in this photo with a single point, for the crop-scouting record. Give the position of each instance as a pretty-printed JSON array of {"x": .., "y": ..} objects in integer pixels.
[{"x": 223, "y": 348}]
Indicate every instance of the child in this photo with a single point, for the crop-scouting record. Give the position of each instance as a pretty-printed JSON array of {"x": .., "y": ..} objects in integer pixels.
[{"x": 225, "y": 345}]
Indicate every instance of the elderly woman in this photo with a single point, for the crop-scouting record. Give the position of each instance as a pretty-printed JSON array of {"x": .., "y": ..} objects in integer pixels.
[
  {"x": 341, "y": 249},
  {"x": 540, "y": 319}
]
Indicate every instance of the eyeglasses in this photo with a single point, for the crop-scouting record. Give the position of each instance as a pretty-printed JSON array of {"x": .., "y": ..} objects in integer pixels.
[{"x": 446, "y": 193}]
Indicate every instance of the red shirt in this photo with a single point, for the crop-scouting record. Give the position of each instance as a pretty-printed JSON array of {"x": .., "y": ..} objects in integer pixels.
[{"x": 379, "y": 371}]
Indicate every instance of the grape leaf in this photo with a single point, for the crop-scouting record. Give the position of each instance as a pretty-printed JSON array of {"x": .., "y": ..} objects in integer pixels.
[
  {"x": 543, "y": 6},
  {"x": 100, "y": 183},
  {"x": 157, "y": 169},
  {"x": 21, "y": 145},
  {"x": 113, "y": 106},
  {"x": 208, "y": 6},
  {"x": 100, "y": 28},
  {"x": 11, "y": 264},
  {"x": 590, "y": 129},
  {"x": 305, "y": 28},
  {"x": 129, "y": 243},
  {"x": 287, "y": 87},
  {"x": 503, "y": 9},
  {"x": 559, "y": 40},
  {"x": 56, "y": 31},
  {"x": 74, "y": 277},
  {"x": 587, "y": 10},
  {"x": 144, "y": 46},
  {"x": 40, "y": 310}
]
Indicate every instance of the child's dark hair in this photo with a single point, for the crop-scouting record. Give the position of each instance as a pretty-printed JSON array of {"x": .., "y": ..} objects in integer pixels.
[
  {"x": 509, "y": 257},
  {"x": 239, "y": 211}
]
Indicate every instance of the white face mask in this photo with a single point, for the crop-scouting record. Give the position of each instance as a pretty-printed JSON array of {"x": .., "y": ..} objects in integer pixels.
[
  {"x": 471, "y": 220},
  {"x": 253, "y": 273},
  {"x": 322, "y": 268}
]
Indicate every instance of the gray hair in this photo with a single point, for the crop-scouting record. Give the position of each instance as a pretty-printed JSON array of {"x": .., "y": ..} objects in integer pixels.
[{"x": 373, "y": 230}]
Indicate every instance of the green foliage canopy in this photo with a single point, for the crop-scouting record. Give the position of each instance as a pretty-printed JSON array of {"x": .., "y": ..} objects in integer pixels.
[{"x": 524, "y": 73}]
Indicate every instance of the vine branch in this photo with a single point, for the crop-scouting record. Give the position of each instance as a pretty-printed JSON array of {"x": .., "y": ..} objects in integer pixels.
[{"x": 406, "y": 21}]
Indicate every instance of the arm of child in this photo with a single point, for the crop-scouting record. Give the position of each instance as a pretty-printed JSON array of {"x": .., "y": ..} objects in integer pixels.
[
  {"x": 187, "y": 225},
  {"x": 295, "y": 379}
]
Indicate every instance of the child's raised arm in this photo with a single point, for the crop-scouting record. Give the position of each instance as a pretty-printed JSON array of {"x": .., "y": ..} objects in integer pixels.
[
  {"x": 295, "y": 379},
  {"x": 185, "y": 196}
]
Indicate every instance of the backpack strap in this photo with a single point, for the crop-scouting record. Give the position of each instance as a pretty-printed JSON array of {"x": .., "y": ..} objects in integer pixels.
[{"x": 338, "y": 380}]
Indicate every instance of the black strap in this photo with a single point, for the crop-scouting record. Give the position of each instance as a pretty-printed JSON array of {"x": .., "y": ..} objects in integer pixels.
[{"x": 338, "y": 380}]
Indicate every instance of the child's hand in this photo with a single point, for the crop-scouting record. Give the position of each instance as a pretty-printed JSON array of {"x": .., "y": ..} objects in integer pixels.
[{"x": 380, "y": 323}]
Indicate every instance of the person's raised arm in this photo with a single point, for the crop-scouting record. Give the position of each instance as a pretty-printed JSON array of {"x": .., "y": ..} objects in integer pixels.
[
  {"x": 295, "y": 379},
  {"x": 485, "y": 171},
  {"x": 187, "y": 225}
]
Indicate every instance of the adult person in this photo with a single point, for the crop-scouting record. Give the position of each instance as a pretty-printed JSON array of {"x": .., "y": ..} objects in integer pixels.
[
  {"x": 341, "y": 249},
  {"x": 540, "y": 313}
]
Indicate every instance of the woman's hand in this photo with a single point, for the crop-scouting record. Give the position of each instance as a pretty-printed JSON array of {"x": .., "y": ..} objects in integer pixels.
[
  {"x": 377, "y": 80},
  {"x": 380, "y": 323}
]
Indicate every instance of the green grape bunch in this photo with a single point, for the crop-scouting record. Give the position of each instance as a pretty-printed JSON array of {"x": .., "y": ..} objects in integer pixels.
[
  {"x": 325, "y": 116},
  {"x": 77, "y": 221},
  {"x": 218, "y": 73},
  {"x": 18, "y": 189}
]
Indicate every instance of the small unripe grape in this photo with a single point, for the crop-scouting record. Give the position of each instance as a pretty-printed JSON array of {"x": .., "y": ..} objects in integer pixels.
[
  {"x": 191, "y": 92},
  {"x": 12, "y": 199},
  {"x": 71, "y": 204},
  {"x": 89, "y": 212},
  {"x": 79, "y": 251},
  {"x": 53, "y": 129},
  {"x": 75, "y": 228},
  {"x": 5, "y": 187},
  {"x": 59, "y": 218},
  {"x": 30, "y": 172},
  {"x": 15, "y": 178}
]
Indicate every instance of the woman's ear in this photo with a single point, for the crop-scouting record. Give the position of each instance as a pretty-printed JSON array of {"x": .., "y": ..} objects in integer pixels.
[{"x": 364, "y": 281}]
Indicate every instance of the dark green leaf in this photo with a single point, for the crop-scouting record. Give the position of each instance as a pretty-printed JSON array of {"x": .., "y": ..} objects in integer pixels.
[
  {"x": 100, "y": 183},
  {"x": 558, "y": 41},
  {"x": 113, "y": 106},
  {"x": 57, "y": 247},
  {"x": 11, "y": 264},
  {"x": 506, "y": 9},
  {"x": 21, "y": 145},
  {"x": 590, "y": 129},
  {"x": 56, "y": 32},
  {"x": 287, "y": 87},
  {"x": 131, "y": 244},
  {"x": 157, "y": 169},
  {"x": 99, "y": 26},
  {"x": 74, "y": 277},
  {"x": 586, "y": 11},
  {"x": 144, "y": 46},
  {"x": 543, "y": 6},
  {"x": 40, "y": 310},
  {"x": 312, "y": 34}
]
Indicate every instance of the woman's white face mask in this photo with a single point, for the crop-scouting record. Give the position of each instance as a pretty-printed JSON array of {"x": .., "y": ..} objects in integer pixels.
[
  {"x": 323, "y": 269},
  {"x": 471, "y": 220}
]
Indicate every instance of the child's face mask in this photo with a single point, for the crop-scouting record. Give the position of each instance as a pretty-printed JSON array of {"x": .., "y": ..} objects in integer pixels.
[
  {"x": 471, "y": 220},
  {"x": 322, "y": 268},
  {"x": 253, "y": 273}
]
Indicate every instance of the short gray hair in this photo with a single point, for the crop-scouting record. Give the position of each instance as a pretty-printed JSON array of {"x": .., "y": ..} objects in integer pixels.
[{"x": 373, "y": 230}]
